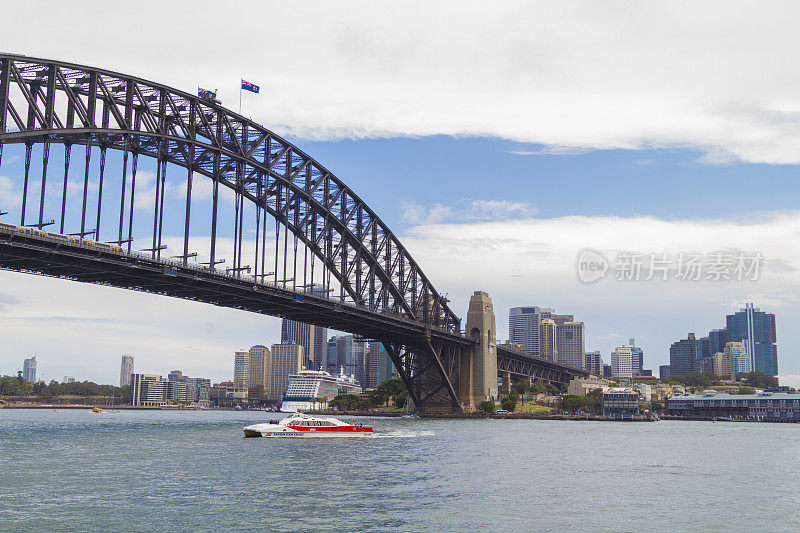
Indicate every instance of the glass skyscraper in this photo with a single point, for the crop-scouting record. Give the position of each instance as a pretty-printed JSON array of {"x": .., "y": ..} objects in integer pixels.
[
  {"x": 683, "y": 356},
  {"x": 756, "y": 330}
]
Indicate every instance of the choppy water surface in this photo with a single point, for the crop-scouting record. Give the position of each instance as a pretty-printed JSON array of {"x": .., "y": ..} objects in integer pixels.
[{"x": 74, "y": 470}]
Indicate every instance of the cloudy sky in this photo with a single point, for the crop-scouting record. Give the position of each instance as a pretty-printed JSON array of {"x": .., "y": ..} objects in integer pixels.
[{"x": 503, "y": 140}]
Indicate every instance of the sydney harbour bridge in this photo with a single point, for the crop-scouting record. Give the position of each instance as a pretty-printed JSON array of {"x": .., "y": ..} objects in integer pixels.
[{"x": 132, "y": 184}]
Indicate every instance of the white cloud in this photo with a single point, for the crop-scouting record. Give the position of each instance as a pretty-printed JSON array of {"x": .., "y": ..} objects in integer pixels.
[
  {"x": 792, "y": 380},
  {"x": 532, "y": 262},
  {"x": 465, "y": 210},
  {"x": 566, "y": 75}
]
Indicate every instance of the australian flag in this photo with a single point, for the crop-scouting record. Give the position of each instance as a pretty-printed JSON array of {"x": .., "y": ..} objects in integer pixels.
[
  {"x": 205, "y": 93},
  {"x": 247, "y": 86}
]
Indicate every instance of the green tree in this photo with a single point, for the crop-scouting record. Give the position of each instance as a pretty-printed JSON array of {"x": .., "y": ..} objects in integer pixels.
[
  {"x": 348, "y": 402},
  {"x": 746, "y": 390},
  {"x": 702, "y": 380},
  {"x": 509, "y": 403},
  {"x": 538, "y": 387},
  {"x": 486, "y": 406},
  {"x": 757, "y": 379}
]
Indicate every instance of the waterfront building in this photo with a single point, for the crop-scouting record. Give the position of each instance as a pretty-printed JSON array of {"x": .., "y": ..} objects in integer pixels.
[
  {"x": 241, "y": 369},
  {"x": 645, "y": 391},
  {"x": 258, "y": 371},
  {"x": 198, "y": 390},
  {"x": 226, "y": 393},
  {"x": 683, "y": 356},
  {"x": 29, "y": 370},
  {"x": 663, "y": 371},
  {"x": 523, "y": 327},
  {"x": 622, "y": 362},
  {"x": 175, "y": 375},
  {"x": 548, "y": 347},
  {"x": 594, "y": 363},
  {"x": 583, "y": 386},
  {"x": 68, "y": 379},
  {"x": 763, "y": 406},
  {"x": 661, "y": 391},
  {"x": 178, "y": 391},
  {"x": 285, "y": 359},
  {"x": 148, "y": 390},
  {"x": 756, "y": 329},
  {"x": 620, "y": 402},
  {"x": 570, "y": 344},
  {"x": 637, "y": 358},
  {"x": 125, "y": 370}
]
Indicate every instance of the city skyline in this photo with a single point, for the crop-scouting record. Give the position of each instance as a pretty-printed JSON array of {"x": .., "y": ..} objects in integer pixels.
[{"x": 691, "y": 352}]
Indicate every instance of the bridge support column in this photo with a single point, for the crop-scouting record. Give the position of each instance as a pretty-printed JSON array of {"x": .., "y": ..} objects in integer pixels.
[
  {"x": 506, "y": 383},
  {"x": 479, "y": 367}
]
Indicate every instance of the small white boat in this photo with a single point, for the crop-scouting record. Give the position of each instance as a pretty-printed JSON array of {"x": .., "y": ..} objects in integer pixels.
[{"x": 305, "y": 426}]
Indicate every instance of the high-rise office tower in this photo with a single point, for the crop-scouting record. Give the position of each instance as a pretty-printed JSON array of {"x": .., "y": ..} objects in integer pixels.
[
  {"x": 313, "y": 339},
  {"x": 683, "y": 356},
  {"x": 258, "y": 371},
  {"x": 175, "y": 375},
  {"x": 333, "y": 353},
  {"x": 523, "y": 327},
  {"x": 386, "y": 368},
  {"x": 637, "y": 358},
  {"x": 570, "y": 344},
  {"x": 717, "y": 339},
  {"x": 548, "y": 343},
  {"x": 622, "y": 362},
  {"x": 372, "y": 363},
  {"x": 29, "y": 370},
  {"x": 344, "y": 353},
  {"x": 241, "y": 370},
  {"x": 756, "y": 329},
  {"x": 125, "y": 370},
  {"x": 594, "y": 363},
  {"x": 285, "y": 359}
]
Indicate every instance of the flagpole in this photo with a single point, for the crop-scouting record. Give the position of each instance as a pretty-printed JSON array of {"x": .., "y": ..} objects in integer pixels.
[{"x": 240, "y": 97}]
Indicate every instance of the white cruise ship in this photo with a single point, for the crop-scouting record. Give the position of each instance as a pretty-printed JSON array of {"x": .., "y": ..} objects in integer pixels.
[{"x": 309, "y": 384}]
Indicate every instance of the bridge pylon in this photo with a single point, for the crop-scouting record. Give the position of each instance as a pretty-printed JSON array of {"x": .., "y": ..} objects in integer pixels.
[{"x": 479, "y": 366}]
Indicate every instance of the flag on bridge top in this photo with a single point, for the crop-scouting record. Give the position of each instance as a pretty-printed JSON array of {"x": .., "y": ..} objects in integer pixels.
[
  {"x": 252, "y": 87},
  {"x": 205, "y": 93}
]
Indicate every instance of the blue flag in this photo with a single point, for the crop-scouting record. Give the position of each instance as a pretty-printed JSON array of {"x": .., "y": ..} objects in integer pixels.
[
  {"x": 247, "y": 86},
  {"x": 205, "y": 93}
]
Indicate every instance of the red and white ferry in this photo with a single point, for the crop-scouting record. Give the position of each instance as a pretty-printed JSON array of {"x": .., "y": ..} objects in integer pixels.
[{"x": 305, "y": 426}]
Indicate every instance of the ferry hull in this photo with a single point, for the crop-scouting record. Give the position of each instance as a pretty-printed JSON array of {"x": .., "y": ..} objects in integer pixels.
[{"x": 307, "y": 434}]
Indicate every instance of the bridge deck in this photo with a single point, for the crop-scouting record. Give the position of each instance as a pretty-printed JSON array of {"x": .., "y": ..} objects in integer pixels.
[{"x": 91, "y": 262}]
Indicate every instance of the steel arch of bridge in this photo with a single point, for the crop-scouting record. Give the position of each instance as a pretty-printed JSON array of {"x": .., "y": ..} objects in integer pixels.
[
  {"x": 382, "y": 292},
  {"x": 50, "y": 102}
]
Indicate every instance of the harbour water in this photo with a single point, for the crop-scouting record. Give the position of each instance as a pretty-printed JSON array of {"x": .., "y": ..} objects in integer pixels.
[{"x": 78, "y": 471}]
